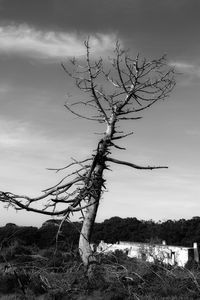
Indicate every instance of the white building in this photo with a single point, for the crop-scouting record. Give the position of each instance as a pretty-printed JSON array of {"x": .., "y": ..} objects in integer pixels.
[{"x": 172, "y": 255}]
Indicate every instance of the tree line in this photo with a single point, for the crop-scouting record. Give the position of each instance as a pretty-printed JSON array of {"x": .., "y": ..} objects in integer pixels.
[{"x": 175, "y": 232}]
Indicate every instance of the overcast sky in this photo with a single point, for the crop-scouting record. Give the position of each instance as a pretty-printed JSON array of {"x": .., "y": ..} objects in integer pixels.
[{"x": 36, "y": 132}]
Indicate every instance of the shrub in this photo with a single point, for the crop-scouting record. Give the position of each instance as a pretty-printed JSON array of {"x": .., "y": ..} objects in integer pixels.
[
  {"x": 192, "y": 265},
  {"x": 13, "y": 250}
]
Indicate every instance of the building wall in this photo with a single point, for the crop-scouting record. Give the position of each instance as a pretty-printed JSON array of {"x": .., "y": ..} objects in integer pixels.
[{"x": 172, "y": 255}]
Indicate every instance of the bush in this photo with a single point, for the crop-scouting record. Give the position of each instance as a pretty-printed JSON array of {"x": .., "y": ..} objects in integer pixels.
[
  {"x": 13, "y": 250},
  {"x": 192, "y": 265}
]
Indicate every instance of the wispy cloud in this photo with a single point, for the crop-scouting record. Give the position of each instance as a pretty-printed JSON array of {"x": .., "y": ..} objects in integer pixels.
[
  {"x": 16, "y": 135},
  {"x": 187, "y": 68},
  {"x": 183, "y": 66},
  {"x": 190, "y": 73},
  {"x": 28, "y": 41}
]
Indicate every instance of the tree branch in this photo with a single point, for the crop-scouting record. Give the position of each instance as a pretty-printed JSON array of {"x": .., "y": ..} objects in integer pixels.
[
  {"x": 79, "y": 115},
  {"x": 121, "y": 162}
]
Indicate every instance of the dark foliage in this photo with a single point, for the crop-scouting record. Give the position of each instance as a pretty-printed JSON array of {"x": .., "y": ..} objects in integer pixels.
[
  {"x": 68, "y": 234},
  {"x": 174, "y": 232},
  {"x": 28, "y": 235},
  {"x": 43, "y": 237}
]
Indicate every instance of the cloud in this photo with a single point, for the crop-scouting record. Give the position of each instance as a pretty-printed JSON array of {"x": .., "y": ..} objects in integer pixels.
[
  {"x": 182, "y": 65},
  {"x": 186, "y": 68},
  {"x": 28, "y": 41},
  {"x": 27, "y": 148},
  {"x": 190, "y": 73}
]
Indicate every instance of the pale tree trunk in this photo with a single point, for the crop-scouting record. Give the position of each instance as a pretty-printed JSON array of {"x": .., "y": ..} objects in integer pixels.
[
  {"x": 88, "y": 258},
  {"x": 89, "y": 219},
  {"x": 85, "y": 250}
]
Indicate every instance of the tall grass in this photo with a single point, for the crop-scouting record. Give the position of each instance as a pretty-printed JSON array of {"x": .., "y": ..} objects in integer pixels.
[{"x": 61, "y": 275}]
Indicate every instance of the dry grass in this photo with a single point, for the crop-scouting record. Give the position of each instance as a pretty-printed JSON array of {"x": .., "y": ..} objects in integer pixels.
[{"x": 117, "y": 277}]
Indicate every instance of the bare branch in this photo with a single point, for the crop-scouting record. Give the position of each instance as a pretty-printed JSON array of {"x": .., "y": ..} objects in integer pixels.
[
  {"x": 56, "y": 188},
  {"x": 71, "y": 164},
  {"x": 79, "y": 115},
  {"x": 122, "y": 136},
  {"x": 5, "y": 197},
  {"x": 116, "y": 146},
  {"x": 92, "y": 77},
  {"x": 129, "y": 118},
  {"x": 121, "y": 162}
]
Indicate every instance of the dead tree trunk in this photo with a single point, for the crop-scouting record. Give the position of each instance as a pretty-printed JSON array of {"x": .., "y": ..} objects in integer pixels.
[
  {"x": 99, "y": 165},
  {"x": 89, "y": 219}
]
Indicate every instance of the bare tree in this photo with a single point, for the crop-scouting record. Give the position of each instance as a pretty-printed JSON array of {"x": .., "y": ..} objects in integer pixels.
[{"x": 114, "y": 94}]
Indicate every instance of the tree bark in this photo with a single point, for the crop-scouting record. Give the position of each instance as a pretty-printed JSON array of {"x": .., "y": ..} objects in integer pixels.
[{"x": 85, "y": 250}]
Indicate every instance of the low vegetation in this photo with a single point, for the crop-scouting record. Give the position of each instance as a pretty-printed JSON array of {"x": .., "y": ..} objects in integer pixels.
[
  {"x": 51, "y": 274},
  {"x": 34, "y": 266}
]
